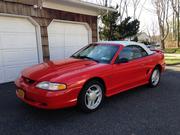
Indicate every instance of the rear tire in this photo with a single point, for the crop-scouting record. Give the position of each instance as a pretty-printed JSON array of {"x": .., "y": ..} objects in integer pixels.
[
  {"x": 155, "y": 77},
  {"x": 91, "y": 97}
]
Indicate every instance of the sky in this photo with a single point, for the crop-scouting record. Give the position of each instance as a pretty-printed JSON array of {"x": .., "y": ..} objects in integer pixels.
[{"x": 148, "y": 18}]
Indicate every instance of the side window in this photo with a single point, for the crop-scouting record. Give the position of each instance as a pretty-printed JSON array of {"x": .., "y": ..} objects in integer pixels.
[
  {"x": 136, "y": 52},
  {"x": 132, "y": 52},
  {"x": 127, "y": 52},
  {"x": 143, "y": 52}
]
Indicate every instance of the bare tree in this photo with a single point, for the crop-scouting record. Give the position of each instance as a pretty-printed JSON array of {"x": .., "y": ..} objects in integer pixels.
[
  {"x": 151, "y": 32},
  {"x": 176, "y": 5},
  {"x": 126, "y": 9},
  {"x": 162, "y": 12},
  {"x": 105, "y": 3},
  {"x": 174, "y": 27},
  {"x": 141, "y": 9},
  {"x": 135, "y": 7},
  {"x": 123, "y": 9}
]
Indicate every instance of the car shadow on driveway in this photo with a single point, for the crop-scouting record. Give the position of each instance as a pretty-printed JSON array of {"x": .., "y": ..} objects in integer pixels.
[{"x": 142, "y": 110}]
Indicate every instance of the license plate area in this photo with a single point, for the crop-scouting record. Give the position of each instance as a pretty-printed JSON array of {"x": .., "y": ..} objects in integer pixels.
[{"x": 20, "y": 93}]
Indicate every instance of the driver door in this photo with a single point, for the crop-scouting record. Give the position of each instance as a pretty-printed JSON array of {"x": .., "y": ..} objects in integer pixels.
[{"x": 131, "y": 73}]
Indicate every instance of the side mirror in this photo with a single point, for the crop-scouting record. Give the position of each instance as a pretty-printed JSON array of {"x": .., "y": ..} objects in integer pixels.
[{"x": 122, "y": 60}]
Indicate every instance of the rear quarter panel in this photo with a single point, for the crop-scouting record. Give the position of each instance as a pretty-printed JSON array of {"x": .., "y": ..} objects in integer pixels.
[{"x": 157, "y": 58}]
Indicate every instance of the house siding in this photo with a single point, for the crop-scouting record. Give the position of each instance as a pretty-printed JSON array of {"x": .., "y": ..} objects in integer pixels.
[{"x": 44, "y": 17}]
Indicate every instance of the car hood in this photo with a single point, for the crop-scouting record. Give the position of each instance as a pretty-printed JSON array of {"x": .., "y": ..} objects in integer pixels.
[{"x": 51, "y": 69}]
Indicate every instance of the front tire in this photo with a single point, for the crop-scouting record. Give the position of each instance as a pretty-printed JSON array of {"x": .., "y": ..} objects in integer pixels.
[
  {"x": 155, "y": 77},
  {"x": 91, "y": 97}
]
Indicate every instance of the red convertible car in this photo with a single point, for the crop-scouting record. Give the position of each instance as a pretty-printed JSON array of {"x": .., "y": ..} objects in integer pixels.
[{"x": 96, "y": 71}]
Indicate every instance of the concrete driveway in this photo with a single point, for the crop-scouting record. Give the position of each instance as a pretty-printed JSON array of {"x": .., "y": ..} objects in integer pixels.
[{"x": 140, "y": 111}]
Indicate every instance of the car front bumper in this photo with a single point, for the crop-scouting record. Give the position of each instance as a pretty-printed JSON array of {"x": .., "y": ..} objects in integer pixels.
[{"x": 46, "y": 99}]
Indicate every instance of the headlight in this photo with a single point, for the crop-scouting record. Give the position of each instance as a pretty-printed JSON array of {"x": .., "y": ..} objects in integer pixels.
[{"x": 51, "y": 86}]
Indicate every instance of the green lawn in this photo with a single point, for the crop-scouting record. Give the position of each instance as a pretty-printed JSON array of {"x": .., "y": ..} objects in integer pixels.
[
  {"x": 173, "y": 50},
  {"x": 172, "y": 61}
]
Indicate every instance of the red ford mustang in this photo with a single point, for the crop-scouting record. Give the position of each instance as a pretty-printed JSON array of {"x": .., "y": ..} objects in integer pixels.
[{"x": 96, "y": 71}]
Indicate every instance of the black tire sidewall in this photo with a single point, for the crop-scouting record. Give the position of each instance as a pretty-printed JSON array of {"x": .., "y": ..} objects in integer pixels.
[
  {"x": 81, "y": 98},
  {"x": 150, "y": 80}
]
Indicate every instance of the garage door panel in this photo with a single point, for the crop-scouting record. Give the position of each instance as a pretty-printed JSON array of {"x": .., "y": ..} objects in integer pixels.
[
  {"x": 76, "y": 28},
  {"x": 76, "y": 39},
  {"x": 80, "y": 39},
  {"x": 57, "y": 53},
  {"x": 20, "y": 56},
  {"x": 1, "y": 76},
  {"x": 1, "y": 59},
  {"x": 21, "y": 25},
  {"x": 73, "y": 38},
  {"x": 83, "y": 40},
  {"x": 18, "y": 40},
  {"x": 70, "y": 50},
  {"x": 66, "y": 38},
  {"x": 56, "y": 40},
  {"x": 57, "y": 28},
  {"x": 71, "y": 29},
  {"x": 13, "y": 72},
  {"x": 18, "y": 47}
]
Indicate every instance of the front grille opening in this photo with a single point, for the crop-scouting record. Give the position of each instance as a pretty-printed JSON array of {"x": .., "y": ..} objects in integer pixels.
[
  {"x": 40, "y": 103},
  {"x": 28, "y": 81}
]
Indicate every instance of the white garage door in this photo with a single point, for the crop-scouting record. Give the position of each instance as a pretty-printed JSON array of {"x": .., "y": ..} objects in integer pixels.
[
  {"x": 66, "y": 38},
  {"x": 18, "y": 47}
]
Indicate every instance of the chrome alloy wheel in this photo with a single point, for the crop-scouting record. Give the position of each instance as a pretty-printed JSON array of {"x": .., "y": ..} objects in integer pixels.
[
  {"x": 93, "y": 97},
  {"x": 155, "y": 77}
]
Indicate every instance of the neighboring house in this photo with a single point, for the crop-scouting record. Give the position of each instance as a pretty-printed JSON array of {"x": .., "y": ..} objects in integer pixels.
[
  {"x": 35, "y": 30},
  {"x": 142, "y": 37}
]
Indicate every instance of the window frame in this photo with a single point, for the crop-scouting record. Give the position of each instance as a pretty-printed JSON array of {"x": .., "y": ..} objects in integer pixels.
[
  {"x": 133, "y": 58},
  {"x": 142, "y": 49}
]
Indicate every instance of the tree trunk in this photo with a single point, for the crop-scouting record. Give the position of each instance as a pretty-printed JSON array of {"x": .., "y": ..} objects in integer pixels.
[
  {"x": 162, "y": 33},
  {"x": 106, "y": 3},
  {"x": 174, "y": 28},
  {"x": 178, "y": 33},
  {"x": 163, "y": 44}
]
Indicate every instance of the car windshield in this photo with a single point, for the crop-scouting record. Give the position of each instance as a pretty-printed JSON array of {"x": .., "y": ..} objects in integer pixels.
[{"x": 99, "y": 53}]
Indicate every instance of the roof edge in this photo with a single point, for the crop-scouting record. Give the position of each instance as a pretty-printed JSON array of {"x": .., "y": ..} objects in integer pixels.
[
  {"x": 95, "y": 6},
  {"x": 83, "y": 3}
]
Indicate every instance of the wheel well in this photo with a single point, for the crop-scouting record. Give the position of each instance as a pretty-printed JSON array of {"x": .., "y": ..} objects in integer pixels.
[
  {"x": 159, "y": 67},
  {"x": 97, "y": 79}
]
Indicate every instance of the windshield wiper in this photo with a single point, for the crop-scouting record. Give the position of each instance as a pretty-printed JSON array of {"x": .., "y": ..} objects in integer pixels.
[{"x": 85, "y": 57}]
